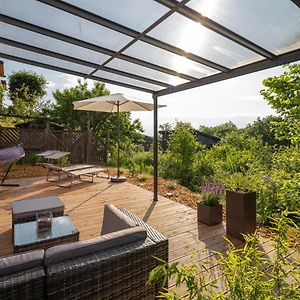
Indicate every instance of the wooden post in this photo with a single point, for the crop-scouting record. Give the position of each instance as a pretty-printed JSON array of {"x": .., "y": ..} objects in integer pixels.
[{"x": 88, "y": 146}]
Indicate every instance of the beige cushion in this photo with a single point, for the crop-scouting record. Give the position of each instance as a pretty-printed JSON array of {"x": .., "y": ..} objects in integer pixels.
[
  {"x": 115, "y": 220},
  {"x": 21, "y": 262},
  {"x": 72, "y": 250}
]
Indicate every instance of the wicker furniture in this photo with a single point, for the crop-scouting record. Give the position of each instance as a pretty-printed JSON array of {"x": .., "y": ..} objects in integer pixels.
[
  {"x": 26, "y": 210},
  {"x": 22, "y": 276},
  {"x": 115, "y": 265},
  {"x": 27, "y": 237},
  {"x": 117, "y": 272}
]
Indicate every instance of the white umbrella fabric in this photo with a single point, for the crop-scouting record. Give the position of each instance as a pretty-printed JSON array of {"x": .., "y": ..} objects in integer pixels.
[{"x": 114, "y": 103}]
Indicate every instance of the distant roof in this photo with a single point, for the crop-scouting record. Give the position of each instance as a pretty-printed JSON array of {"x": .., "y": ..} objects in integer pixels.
[
  {"x": 156, "y": 46},
  {"x": 198, "y": 133}
]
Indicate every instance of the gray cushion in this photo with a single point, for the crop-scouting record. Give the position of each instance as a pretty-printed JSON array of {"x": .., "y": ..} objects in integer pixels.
[
  {"x": 21, "y": 262},
  {"x": 63, "y": 252},
  {"x": 115, "y": 220},
  {"x": 31, "y": 206}
]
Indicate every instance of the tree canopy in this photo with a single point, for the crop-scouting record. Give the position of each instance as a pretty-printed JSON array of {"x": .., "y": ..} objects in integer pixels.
[
  {"x": 25, "y": 89},
  {"x": 283, "y": 94},
  {"x": 219, "y": 130}
]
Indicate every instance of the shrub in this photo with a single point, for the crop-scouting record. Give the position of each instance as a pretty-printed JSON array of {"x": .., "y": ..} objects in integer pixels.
[
  {"x": 32, "y": 159},
  {"x": 245, "y": 273},
  {"x": 64, "y": 161},
  {"x": 171, "y": 185},
  {"x": 143, "y": 177},
  {"x": 211, "y": 199}
]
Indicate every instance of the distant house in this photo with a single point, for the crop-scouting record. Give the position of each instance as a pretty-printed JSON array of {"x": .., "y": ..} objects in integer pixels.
[{"x": 207, "y": 139}]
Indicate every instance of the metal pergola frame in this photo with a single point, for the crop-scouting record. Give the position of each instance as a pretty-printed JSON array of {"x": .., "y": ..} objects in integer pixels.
[{"x": 221, "y": 72}]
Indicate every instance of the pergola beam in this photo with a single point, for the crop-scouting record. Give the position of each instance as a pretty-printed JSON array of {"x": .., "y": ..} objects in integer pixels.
[
  {"x": 72, "y": 72},
  {"x": 83, "y": 44},
  {"x": 214, "y": 26},
  {"x": 79, "y": 61},
  {"x": 254, "y": 67},
  {"x": 130, "y": 32},
  {"x": 296, "y": 2}
]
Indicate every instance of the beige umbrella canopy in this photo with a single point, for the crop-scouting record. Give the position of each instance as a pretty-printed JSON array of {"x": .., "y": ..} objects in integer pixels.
[{"x": 114, "y": 103}]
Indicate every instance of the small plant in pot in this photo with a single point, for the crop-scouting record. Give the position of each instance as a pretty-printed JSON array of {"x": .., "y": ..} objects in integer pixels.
[{"x": 209, "y": 209}]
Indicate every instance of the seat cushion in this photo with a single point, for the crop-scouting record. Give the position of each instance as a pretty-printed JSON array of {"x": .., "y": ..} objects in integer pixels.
[
  {"x": 21, "y": 262},
  {"x": 24, "y": 208},
  {"x": 115, "y": 220},
  {"x": 63, "y": 252}
]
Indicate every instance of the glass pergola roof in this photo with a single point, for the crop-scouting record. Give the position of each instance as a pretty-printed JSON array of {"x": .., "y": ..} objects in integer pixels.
[{"x": 156, "y": 46}]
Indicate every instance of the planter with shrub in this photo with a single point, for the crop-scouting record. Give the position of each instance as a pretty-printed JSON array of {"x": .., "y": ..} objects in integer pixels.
[{"x": 209, "y": 209}]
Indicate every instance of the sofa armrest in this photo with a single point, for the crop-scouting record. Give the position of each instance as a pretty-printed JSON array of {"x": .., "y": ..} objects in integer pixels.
[{"x": 151, "y": 232}]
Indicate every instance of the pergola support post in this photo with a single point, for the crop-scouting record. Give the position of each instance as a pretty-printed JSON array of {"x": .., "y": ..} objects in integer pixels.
[{"x": 155, "y": 150}]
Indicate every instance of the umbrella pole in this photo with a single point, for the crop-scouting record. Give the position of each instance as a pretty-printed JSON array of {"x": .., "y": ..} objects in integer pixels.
[
  {"x": 118, "y": 178},
  {"x": 118, "y": 129}
]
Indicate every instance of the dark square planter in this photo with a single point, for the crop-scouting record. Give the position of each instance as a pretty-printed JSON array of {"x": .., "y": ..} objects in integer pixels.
[
  {"x": 240, "y": 213},
  {"x": 209, "y": 215}
]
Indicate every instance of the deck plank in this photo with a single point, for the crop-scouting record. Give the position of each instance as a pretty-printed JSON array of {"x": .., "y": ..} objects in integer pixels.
[{"x": 84, "y": 202}]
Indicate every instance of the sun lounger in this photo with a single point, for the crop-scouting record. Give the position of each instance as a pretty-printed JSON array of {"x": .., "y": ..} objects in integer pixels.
[
  {"x": 56, "y": 155},
  {"x": 71, "y": 171},
  {"x": 46, "y": 153},
  {"x": 51, "y": 168},
  {"x": 72, "y": 174},
  {"x": 51, "y": 155}
]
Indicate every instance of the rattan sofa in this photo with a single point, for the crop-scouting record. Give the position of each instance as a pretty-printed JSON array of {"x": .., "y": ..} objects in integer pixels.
[{"x": 114, "y": 265}]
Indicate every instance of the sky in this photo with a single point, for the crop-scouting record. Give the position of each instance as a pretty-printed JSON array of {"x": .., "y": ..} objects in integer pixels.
[{"x": 237, "y": 100}]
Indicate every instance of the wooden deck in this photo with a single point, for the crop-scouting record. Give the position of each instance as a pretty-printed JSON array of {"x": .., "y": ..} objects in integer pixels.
[{"x": 84, "y": 203}]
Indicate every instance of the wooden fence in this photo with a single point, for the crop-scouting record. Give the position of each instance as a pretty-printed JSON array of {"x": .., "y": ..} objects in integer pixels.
[{"x": 84, "y": 146}]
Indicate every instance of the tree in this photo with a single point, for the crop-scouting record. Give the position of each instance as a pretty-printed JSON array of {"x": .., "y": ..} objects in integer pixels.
[
  {"x": 25, "y": 90},
  {"x": 264, "y": 128},
  {"x": 101, "y": 123},
  {"x": 283, "y": 94},
  {"x": 182, "y": 153},
  {"x": 219, "y": 130}
]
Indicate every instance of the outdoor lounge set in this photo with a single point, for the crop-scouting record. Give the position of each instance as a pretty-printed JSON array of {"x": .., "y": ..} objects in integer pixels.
[{"x": 115, "y": 265}]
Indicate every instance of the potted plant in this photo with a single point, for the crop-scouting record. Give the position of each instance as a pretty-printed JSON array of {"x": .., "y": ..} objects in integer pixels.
[
  {"x": 240, "y": 208},
  {"x": 209, "y": 209}
]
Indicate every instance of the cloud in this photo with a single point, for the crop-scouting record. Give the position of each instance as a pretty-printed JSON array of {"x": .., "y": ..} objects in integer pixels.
[
  {"x": 68, "y": 81},
  {"x": 250, "y": 98}
]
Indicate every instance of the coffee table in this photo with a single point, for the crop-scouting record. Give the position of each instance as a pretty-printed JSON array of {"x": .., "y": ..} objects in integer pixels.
[{"x": 26, "y": 237}]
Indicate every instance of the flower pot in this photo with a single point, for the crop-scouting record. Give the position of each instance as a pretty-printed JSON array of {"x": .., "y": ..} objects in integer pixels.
[
  {"x": 209, "y": 215},
  {"x": 240, "y": 213}
]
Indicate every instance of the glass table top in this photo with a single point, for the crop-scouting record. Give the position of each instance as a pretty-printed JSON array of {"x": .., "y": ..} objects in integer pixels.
[{"x": 26, "y": 233}]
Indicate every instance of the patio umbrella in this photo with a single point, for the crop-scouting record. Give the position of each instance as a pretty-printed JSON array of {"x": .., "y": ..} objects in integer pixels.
[{"x": 114, "y": 103}]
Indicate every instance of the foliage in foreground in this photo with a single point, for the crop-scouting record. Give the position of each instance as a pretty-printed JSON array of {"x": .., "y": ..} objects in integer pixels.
[
  {"x": 283, "y": 94},
  {"x": 245, "y": 273}
]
